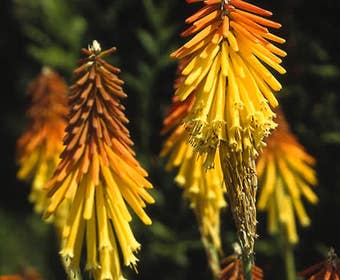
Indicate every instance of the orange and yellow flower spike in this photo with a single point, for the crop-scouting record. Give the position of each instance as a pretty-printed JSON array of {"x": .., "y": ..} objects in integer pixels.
[
  {"x": 39, "y": 147},
  {"x": 234, "y": 92},
  {"x": 204, "y": 189},
  {"x": 286, "y": 174},
  {"x": 328, "y": 269},
  {"x": 98, "y": 173},
  {"x": 27, "y": 273}
]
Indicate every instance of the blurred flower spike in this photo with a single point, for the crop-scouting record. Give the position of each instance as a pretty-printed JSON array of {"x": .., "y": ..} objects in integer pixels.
[
  {"x": 233, "y": 96},
  {"x": 39, "y": 147},
  {"x": 203, "y": 188},
  {"x": 98, "y": 174},
  {"x": 328, "y": 269},
  {"x": 286, "y": 174},
  {"x": 27, "y": 273}
]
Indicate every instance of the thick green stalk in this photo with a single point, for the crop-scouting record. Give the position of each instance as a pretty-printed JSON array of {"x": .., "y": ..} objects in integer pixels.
[{"x": 247, "y": 263}]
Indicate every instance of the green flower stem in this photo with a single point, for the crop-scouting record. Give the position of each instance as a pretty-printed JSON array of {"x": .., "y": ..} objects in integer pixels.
[
  {"x": 289, "y": 259},
  {"x": 212, "y": 256},
  {"x": 247, "y": 263}
]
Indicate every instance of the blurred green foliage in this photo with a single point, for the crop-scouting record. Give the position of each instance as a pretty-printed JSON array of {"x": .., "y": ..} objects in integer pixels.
[
  {"x": 40, "y": 32},
  {"x": 55, "y": 36},
  {"x": 155, "y": 41}
]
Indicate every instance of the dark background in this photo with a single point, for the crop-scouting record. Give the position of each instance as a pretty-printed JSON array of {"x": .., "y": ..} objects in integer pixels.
[{"x": 39, "y": 32}]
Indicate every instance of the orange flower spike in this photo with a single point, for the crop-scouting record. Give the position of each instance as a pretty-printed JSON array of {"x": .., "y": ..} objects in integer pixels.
[
  {"x": 328, "y": 269},
  {"x": 228, "y": 58},
  {"x": 39, "y": 147},
  {"x": 286, "y": 174},
  {"x": 243, "y": 32},
  {"x": 232, "y": 268},
  {"x": 98, "y": 173}
]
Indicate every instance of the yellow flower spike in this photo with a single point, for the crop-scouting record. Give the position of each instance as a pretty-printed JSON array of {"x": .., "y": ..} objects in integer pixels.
[
  {"x": 203, "y": 188},
  {"x": 234, "y": 8},
  {"x": 39, "y": 147},
  {"x": 98, "y": 174},
  {"x": 242, "y": 45},
  {"x": 286, "y": 172}
]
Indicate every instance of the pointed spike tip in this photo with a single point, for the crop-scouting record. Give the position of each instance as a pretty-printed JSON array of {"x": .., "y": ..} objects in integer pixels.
[{"x": 95, "y": 47}]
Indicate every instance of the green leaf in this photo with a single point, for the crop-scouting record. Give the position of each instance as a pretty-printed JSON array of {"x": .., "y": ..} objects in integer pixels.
[
  {"x": 54, "y": 57},
  {"x": 162, "y": 231},
  {"x": 153, "y": 13},
  {"x": 331, "y": 138},
  {"x": 148, "y": 42},
  {"x": 55, "y": 30},
  {"x": 325, "y": 70},
  {"x": 146, "y": 71},
  {"x": 319, "y": 51},
  {"x": 134, "y": 82},
  {"x": 165, "y": 61},
  {"x": 37, "y": 35}
]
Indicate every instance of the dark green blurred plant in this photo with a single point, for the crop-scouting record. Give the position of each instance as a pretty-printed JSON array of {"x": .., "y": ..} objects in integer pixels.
[
  {"x": 156, "y": 43},
  {"x": 54, "y": 29}
]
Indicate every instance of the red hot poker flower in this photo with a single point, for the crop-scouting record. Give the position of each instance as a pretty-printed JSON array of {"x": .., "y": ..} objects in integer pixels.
[
  {"x": 98, "y": 173},
  {"x": 39, "y": 147},
  {"x": 328, "y": 269}
]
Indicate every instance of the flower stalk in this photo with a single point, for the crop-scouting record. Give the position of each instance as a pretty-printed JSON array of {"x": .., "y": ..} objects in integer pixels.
[
  {"x": 289, "y": 259},
  {"x": 247, "y": 263}
]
